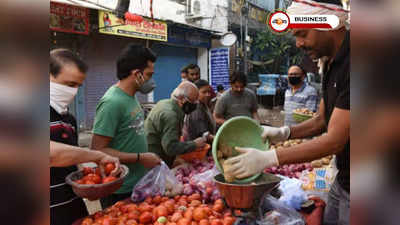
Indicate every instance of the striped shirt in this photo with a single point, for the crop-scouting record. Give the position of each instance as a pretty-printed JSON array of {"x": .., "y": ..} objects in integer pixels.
[{"x": 305, "y": 97}]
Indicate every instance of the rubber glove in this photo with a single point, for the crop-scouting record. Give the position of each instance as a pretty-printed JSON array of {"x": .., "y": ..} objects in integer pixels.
[
  {"x": 275, "y": 134},
  {"x": 251, "y": 161}
]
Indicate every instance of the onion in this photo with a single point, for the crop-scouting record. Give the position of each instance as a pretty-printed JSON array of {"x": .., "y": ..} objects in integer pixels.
[{"x": 185, "y": 180}]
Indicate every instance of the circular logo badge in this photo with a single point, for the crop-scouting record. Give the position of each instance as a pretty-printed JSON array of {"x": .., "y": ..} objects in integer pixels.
[{"x": 279, "y": 21}]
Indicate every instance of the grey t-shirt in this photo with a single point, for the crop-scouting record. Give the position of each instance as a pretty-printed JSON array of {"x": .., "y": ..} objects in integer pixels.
[{"x": 230, "y": 105}]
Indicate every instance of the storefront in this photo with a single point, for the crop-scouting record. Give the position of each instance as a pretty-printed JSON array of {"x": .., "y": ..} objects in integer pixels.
[
  {"x": 185, "y": 45},
  {"x": 70, "y": 28},
  {"x": 101, "y": 40}
]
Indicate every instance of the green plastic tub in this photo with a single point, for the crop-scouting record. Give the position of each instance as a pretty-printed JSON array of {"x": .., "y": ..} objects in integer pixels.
[{"x": 239, "y": 131}]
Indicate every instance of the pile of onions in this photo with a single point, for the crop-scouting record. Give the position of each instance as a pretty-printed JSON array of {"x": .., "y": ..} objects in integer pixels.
[
  {"x": 197, "y": 177},
  {"x": 291, "y": 170}
]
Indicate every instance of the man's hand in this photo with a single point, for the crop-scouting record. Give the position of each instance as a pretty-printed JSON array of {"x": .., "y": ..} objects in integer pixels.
[
  {"x": 275, "y": 134},
  {"x": 210, "y": 138},
  {"x": 109, "y": 159},
  {"x": 149, "y": 160},
  {"x": 250, "y": 162},
  {"x": 200, "y": 142}
]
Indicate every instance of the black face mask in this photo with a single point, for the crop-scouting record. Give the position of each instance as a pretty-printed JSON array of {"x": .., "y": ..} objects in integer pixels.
[
  {"x": 188, "y": 107},
  {"x": 295, "y": 80}
]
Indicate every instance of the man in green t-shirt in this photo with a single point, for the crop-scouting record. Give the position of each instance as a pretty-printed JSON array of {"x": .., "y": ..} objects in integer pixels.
[{"x": 118, "y": 127}]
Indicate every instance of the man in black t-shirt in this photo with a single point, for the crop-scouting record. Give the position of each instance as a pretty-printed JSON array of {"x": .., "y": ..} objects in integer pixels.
[
  {"x": 67, "y": 73},
  {"x": 333, "y": 116}
]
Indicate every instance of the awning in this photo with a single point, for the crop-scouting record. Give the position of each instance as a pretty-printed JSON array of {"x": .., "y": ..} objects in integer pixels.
[{"x": 92, "y": 4}]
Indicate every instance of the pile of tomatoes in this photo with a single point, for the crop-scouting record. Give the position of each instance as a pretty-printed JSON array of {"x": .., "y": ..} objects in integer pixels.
[
  {"x": 93, "y": 176},
  {"x": 180, "y": 210}
]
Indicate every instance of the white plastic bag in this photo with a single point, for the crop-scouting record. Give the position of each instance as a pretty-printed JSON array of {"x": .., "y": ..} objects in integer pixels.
[
  {"x": 158, "y": 181},
  {"x": 292, "y": 193},
  {"x": 274, "y": 212}
]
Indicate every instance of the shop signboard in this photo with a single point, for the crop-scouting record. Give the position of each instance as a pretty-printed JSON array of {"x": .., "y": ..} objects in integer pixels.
[
  {"x": 146, "y": 29},
  {"x": 69, "y": 18},
  {"x": 219, "y": 67}
]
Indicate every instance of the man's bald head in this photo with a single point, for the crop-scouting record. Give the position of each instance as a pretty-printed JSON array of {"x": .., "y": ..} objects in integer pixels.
[{"x": 186, "y": 89}]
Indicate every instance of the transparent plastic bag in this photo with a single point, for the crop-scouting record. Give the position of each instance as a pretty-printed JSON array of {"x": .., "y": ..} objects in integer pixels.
[
  {"x": 274, "y": 212},
  {"x": 206, "y": 185},
  {"x": 158, "y": 181},
  {"x": 292, "y": 193}
]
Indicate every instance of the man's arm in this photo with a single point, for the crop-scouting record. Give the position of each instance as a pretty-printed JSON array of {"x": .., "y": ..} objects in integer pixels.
[
  {"x": 219, "y": 111},
  {"x": 62, "y": 155},
  {"x": 311, "y": 127},
  {"x": 147, "y": 159},
  {"x": 102, "y": 143},
  {"x": 332, "y": 143},
  {"x": 219, "y": 119},
  {"x": 254, "y": 107},
  {"x": 256, "y": 117},
  {"x": 170, "y": 136}
]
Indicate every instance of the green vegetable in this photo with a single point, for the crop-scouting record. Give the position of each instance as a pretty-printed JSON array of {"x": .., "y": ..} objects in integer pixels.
[{"x": 162, "y": 219}]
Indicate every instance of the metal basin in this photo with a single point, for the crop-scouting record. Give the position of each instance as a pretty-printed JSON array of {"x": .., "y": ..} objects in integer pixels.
[{"x": 244, "y": 196}]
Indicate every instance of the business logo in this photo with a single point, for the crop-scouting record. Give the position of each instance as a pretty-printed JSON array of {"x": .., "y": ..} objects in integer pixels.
[{"x": 279, "y": 21}]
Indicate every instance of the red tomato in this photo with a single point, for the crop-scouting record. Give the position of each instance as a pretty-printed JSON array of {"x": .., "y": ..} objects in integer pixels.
[
  {"x": 170, "y": 205},
  {"x": 130, "y": 222},
  {"x": 97, "y": 171},
  {"x": 144, "y": 207},
  {"x": 108, "y": 179},
  {"x": 109, "y": 168},
  {"x": 87, "y": 221},
  {"x": 160, "y": 211},
  {"x": 134, "y": 215},
  {"x": 218, "y": 207},
  {"x": 199, "y": 214},
  {"x": 216, "y": 222},
  {"x": 109, "y": 221},
  {"x": 184, "y": 221},
  {"x": 157, "y": 200},
  {"x": 94, "y": 177},
  {"x": 89, "y": 182},
  {"x": 87, "y": 170},
  {"x": 228, "y": 220},
  {"x": 80, "y": 181},
  {"x": 176, "y": 217},
  {"x": 146, "y": 217}
]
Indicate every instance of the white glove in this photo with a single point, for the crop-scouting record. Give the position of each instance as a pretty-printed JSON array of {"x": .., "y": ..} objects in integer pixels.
[
  {"x": 250, "y": 162},
  {"x": 275, "y": 134}
]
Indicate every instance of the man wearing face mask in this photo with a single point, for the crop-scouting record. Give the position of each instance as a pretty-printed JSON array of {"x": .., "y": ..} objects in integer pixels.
[
  {"x": 118, "y": 128},
  {"x": 67, "y": 73},
  {"x": 333, "y": 116},
  {"x": 299, "y": 95},
  {"x": 165, "y": 122}
]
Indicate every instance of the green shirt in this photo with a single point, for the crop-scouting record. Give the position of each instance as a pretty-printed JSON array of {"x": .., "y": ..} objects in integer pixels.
[
  {"x": 163, "y": 128},
  {"x": 120, "y": 116}
]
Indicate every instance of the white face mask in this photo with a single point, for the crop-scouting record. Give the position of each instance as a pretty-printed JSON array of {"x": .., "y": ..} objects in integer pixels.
[{"x": 61, "y": 96}]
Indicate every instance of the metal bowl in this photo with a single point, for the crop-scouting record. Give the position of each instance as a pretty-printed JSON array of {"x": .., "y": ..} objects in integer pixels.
[
  {"x": 95, "y": 191},
  {"x": 244, "y": 196}
]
